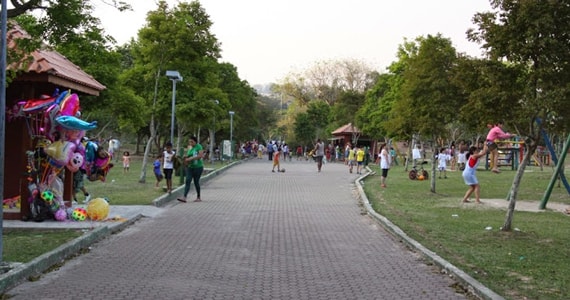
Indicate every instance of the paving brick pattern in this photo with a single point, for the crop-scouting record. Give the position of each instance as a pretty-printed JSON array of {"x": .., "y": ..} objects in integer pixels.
[{"x": 257, "y": 235}]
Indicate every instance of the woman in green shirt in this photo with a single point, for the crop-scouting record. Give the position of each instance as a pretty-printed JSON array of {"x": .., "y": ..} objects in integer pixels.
[{"x": 194, "y": 168}]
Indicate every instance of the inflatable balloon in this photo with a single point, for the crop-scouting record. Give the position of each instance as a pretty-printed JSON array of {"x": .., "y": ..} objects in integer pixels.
[
  {"x": 90, "y": 152},
  {"x": 79, "y": 214},
  {"x": 60, "y": 215},
  {"x": 60, "y": 153},
  {"x": 35, "y": 105},
  {"x": 69, "y": 105},
  {"x": 72, "y": 122},
  {"x": 98, "y": 209},
  {"x": 75, "y": 163},
  {"x": 61, "y": 96}
]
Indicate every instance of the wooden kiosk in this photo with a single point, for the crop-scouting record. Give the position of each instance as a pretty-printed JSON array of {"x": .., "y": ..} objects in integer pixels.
[{"x": 45, "y": 72}]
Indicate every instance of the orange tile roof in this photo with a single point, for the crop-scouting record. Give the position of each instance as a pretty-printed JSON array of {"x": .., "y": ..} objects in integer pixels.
[
  {"x": 54, "y": 64},
  {"x": 348, "y": 128}
]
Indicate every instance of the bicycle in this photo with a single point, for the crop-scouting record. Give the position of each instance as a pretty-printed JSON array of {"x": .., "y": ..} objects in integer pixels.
[{"x": 415, "y": 173}]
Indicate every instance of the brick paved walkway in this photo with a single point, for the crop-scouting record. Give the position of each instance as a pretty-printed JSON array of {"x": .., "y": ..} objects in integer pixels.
[{"x": 257, "y": 235}]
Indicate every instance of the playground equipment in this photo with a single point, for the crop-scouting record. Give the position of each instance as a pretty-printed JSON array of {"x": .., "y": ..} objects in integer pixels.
[{"x": 511, "y": 153}]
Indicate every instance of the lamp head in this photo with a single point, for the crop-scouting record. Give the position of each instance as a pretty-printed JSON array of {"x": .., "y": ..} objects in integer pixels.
[{"x": 173, "y": 75}]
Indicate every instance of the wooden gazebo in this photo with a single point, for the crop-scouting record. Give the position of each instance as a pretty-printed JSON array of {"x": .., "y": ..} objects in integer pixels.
[{"x": 44, "y": 72}]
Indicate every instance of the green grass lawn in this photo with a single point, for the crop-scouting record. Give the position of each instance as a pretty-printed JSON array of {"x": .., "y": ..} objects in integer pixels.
[
  {"x": 23, "y": 245},
  {"x": 531, "y": 262}
]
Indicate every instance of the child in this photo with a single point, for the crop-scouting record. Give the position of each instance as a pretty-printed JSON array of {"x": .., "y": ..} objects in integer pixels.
[
  {"x": 157, "y": 173},
  {"x": 461, "y": 158},
  {"x": 469, "y": 174},
  {"x": 442, "y": 159},
  {"x": 126, "y": 161},
  {"x": 351, "y": 159},
  {"x": 276, "y": 160}
]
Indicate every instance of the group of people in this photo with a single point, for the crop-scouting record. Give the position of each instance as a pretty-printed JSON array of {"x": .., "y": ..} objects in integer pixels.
[{"x": 193, "y": 164}]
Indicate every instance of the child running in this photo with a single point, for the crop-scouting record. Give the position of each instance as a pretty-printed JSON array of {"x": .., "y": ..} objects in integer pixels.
[
  {"x": 276, "y": 160},
  {"x": 469, "y": 174}
]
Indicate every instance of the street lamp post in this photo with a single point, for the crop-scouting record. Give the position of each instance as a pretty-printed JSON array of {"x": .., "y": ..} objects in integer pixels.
[
  {"x": 213, "y": 137},
  {"x": 231, "y": 134},
  {"x": 175, "y": 77}
]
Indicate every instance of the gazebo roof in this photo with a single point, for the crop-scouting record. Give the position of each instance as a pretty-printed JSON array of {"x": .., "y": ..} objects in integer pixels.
[
  {"x": 50, "y": 66},
  {"x": 346, "y": 129}
]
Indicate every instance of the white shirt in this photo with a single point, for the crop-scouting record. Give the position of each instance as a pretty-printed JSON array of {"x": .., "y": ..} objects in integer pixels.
[
  {"x": 416, "y": 153},
  {"x": 384, "y": 159},
  {"x": 168, "y": 164}
]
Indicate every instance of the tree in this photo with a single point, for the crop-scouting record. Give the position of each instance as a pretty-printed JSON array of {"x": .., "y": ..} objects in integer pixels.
[
  {"x": 177, "y": 38},
  {"x": 429, "y": 98},
  {"x": 534, "y": 36}
]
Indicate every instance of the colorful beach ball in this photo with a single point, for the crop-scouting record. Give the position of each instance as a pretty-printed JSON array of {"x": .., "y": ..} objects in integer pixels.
[
  {"x": 79, "y": 214},
  {"x": 98, "y": 209},
  {"x": 47, "y": 196}
]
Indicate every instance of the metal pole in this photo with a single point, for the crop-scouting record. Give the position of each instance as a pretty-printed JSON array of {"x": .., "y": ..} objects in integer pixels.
[
  {"x": 173, "y": 110},
  {"x": 2, "y": 114},
  {"x": 231, "y": 135}
]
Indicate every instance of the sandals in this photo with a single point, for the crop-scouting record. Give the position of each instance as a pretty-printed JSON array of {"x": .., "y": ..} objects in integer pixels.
[{"x": 181, "y": 199}]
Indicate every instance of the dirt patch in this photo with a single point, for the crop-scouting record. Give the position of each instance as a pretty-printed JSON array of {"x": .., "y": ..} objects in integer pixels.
[{"x": 531, "y": 206}]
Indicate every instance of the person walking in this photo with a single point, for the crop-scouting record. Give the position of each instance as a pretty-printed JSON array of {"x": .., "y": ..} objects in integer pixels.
[
  {"x": 384, "y": 164},
  {"x": 78, "y": 185},
  {"x": 194, "y": 169},
  {"x": 359, "y": 159},
  {"x": 168, "y": 165},
  {"x": 276, "y": 160},
  {"x": 470, "y": 173},
  {"x": 319, "y": 154},
  {"x": 351, "y": 159}
]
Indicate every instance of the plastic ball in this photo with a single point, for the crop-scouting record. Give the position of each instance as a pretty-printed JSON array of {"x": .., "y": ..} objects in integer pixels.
[
  {"x": 60, "y": 215},
  {"x": 421, "y": 177},
  {"x": 79, "y": 214},
  {"x": 283, "y": 170},
  {"x": 47, "y": 196},
  {"x": 98, "y": 209}
]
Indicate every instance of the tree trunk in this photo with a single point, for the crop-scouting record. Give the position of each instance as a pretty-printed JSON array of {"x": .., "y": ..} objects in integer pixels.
[
  {"x": 433, "y": 169},
  {"x": 507, "y": 226},
  {"x": 142, "y": 179}
]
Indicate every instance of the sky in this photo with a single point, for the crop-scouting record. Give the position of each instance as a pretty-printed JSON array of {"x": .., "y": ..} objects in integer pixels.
[{"x": 268, "y": 39}]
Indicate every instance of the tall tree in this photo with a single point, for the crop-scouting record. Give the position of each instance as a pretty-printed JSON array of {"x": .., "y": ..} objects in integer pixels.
[
  {"x": 429, "y": 97},
  {"x": 175, "y": 39},
  {"x": 532, "y": 34}
]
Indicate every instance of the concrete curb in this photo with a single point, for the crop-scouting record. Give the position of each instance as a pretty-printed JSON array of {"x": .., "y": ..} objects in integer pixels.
[
  {"x": 43, "y": 262},
  {"x": 472, "y": 286}
]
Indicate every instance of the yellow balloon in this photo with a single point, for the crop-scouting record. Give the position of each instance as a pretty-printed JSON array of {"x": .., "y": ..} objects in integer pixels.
[{"x": 97, "y": 209}]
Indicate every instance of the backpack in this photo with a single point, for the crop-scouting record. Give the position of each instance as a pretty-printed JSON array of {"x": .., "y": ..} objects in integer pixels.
[{"x": 40, "y": 210}]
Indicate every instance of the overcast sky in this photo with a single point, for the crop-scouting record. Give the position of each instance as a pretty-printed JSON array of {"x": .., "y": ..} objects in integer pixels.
[{"x": 267, "y": 39}]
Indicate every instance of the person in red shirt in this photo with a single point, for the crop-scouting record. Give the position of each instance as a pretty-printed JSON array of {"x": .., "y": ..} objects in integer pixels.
[{"x": 276, "y": 160}]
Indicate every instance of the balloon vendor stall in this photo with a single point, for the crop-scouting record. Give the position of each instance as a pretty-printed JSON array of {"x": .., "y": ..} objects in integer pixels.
[{"x": 58, "y": 143}]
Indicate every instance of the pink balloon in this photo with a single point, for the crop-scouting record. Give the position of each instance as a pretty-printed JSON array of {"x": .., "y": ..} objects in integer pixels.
[{"x": 69, "y": 105}]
